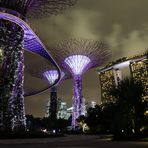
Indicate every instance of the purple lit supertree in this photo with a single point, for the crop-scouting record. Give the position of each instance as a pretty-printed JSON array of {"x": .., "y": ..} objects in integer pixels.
[
  {"x": 12, "y": 112},
  {"x": 36, "y": 8},
  {"x": 51, "y": 76},
  {"x": 78, "y": 56},
  {"x": 11, "y": 39}
]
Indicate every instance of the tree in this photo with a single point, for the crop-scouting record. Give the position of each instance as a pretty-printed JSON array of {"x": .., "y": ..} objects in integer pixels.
[
  {"x": 94, "y": 119},
  {"x": 130, "y": 108}
]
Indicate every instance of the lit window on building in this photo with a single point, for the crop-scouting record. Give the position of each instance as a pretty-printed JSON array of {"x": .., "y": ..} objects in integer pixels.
[
  {"x": 139, "y": 71},
  {"x": 107, "y": 82}
]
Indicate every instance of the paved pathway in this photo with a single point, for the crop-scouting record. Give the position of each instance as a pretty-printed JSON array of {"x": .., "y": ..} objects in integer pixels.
[{"x": 70, "y": 141}]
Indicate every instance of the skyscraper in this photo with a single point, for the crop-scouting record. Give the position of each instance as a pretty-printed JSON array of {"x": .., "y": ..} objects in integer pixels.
[
  {"x": 111, "y": 75},
  {"x": 62, "y": 109},
  {"x": 109, "y": 78},
  {"x": 139, "y": 72}
]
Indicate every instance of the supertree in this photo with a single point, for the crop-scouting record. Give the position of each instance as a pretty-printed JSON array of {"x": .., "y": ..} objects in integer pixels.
[
  {"x": 11, "y": 41},
  {"x": 51, "y": 76},
  {"x": 79, "y": 55}
]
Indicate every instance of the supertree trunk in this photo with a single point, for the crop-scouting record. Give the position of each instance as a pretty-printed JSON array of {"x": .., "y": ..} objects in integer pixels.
[
  {"x": 11, "y": 38},
  {"x": 20, "y": 110},
  {"x": 78, "y": 102},
  {"x": 53, "y": 103}
]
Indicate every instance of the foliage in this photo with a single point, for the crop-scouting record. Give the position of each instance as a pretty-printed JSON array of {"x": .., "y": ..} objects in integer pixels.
[
  {"x": 36, "y": 124},
  {"x": 129, "y": 110},
  {"x": 123, "y": 118},
  {"x": 94, "y": 118}
]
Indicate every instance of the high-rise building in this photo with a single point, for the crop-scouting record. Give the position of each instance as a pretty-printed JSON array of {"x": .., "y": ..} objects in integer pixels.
[
  {"x": 111, "y": 75},
  {"x": 109, "y": 78},
  {"x": 62, "y": 110},
  {"x": 47, "y": 108},
  {"x": 139, "y": 72}
]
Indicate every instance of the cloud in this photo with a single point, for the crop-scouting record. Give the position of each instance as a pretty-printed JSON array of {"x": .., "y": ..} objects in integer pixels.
[{"x": 133, "y": 43}]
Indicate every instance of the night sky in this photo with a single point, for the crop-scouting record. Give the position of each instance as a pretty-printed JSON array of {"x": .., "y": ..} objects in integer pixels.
[{"x": 123, "y": 25}]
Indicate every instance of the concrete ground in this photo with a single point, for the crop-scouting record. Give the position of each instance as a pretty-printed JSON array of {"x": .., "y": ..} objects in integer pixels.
[{"x": 70, "y": 141}]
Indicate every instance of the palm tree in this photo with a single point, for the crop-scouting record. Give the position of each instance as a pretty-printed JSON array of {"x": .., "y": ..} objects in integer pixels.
[{"x": 129, "y": 99}]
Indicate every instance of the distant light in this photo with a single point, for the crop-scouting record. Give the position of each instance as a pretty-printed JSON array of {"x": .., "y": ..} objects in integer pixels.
[
  {"x": 27, "y": 130},
  {"x": 1, "y": 52},
  {"x": 54, "y": 131},
  {"x": 52, "y": 75},
  {"x": 146, "y": 113},
  {"x": 71, "y": 108},
  {"x": 44, "y": 130},
  {"x": 77, "y": 63},
  {"x": 133, "y": 130},
  {"x": 93, "y": 104}
]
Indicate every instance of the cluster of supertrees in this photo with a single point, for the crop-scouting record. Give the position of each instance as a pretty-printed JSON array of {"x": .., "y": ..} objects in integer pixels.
[
  {"x": 74, "y": 56},
  {"x": 12, "y": 114},
  {"x": 77, "y": 56}
]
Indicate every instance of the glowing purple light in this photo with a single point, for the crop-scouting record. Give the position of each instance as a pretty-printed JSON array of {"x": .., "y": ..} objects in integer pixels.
[
  {"x": 77, "y": 63},
  {"x": 31, "y": 42},
  {"x": 52, "y": 76}
]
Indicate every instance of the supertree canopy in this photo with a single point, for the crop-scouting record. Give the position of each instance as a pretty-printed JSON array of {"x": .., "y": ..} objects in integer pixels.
[
  {"x": 12, "y": 30},
  {"x": 78, "y": 56},
  {"x": 77, "y": 63},
  {"x": 52, "y": 75},
  {"x": 36, "y": 8}
]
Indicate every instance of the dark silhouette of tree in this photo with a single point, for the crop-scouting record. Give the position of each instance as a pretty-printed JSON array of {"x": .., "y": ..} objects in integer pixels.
[
  {"x": 94, "y": 119},
  {"x": 129, "y": 106}
]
